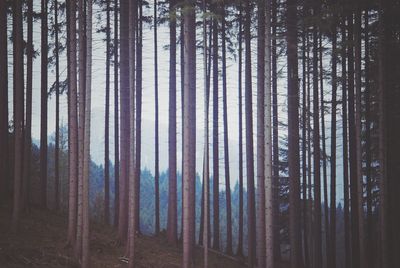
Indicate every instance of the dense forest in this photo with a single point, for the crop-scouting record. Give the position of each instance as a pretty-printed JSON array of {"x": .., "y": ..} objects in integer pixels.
[{"x": 272, "y": 143}]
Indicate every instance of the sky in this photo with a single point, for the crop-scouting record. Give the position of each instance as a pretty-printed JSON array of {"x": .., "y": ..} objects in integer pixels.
[{"x": 148, "y": 104}]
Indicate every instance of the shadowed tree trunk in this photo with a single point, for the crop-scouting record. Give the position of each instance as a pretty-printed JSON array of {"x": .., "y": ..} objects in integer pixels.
[
  {"x": 189, "y": 142},
  {"x": 345, "y": 147},
  {"x": 107, "y": 122},
  {"x": 132, "y": 161},
  {"x": 57, "y": 134},
  {"x": 156, "y": 168},
  {"x": 251, "y": 209},
  {"x": 124, "y": 138},
  {"x": 28, "y": 122},
  {"x": 43, "y": 104},
  {"x": 86, "y": 156},
  {"x": 260, "y": 136},
  {"x": 18, "y": 64},
  {"x": 240, "y": 238},
  {"x": 116, "y": 118},
  {"x": 172, "y": 183},
  {"x": 215, "y": 132},
  {"x": 293, "y": 144},
  {"x": 73, "y": 125},
  {"x": 4, "y": 169}
]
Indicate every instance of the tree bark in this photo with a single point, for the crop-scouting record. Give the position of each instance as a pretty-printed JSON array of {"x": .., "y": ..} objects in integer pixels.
[
  {"x": 172, "y": 165},
  {"x": 43, "y": 105},
  {"x": 261, "y": 139},
  {"x": 57, "y": 134},
  {"x": 251, "y": 209},
  {"x": 18, "y": 64},
  {"x": 107, "y": 122},
  {"x": 73, "y": 125},
  {"x": 156, "y": 142},
  {"x": 293, "y": 129},
  {"x": 189, "y": 157}
]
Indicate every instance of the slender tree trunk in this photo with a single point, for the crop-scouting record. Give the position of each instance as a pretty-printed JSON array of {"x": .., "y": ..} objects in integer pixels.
[
  {"x": 370, "y": 237},
  {"x": 345, "y": 147},
  {"x": 317, "y": 152},
  {"x": 4, "y": 156},
  {"x": 132, "y": 161},
  {"x": 138, "y": 147},
  {"x": 324, "y": 168},
  {"x": 107, "y": 122},
  {"x": 116, "y": 118},
  {"x": 358, "y": 111},
  {"x": 226, "y": 142},
  {"x": 332, "y": 234},
  {"x": 73, "y": 126},
  {"x": 125, "y": 135},
  {"x": 28, "y": 123},
  {"x": 251, "y": 209},
  {"x": 269, "y": 184},
  {"x": 190, "y": 135},
  {"x": 18, "y": 64},
  {"x": 275, "y": 139},
  {"x": 57, "y": 139},
  {"x": 156, "y": 168},
  {"x": 240, "y": 239},
  {"x": 206, "y": 174},
  {"x": 293, "y": 145},
  {"x": 260, "y": 137},
  {"x": 86, "y": 156},
  {"x": 172, "y": 166},
  {"x": 43, "y": 104},
  {"x": 304, "y": 151},
  {"x": 81, "y": 125},
  {"x": 215, "y": 133},
  {"x": 355, "y": 237}
]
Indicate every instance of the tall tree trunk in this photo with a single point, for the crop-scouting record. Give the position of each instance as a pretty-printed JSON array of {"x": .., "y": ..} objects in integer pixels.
[
  {"x": 345, "y": 147},
  {"x": 358, "y": 111},
  {"x": 138, "y": 147},
  {"x": 132, "y": 161},
  {"x": 226, "y": 142},
  {"x": 57, "y": 138},
  {"x": 251, "y": 209},
  {"x": 28, "y": 122},
  {"x": 107, "y": 122},
  {"x": 125, "y": 135},
  {"x": 172, "y": 166},
  {"x": 116, "y": 118},
  {"x": 370, "y": 236},
  {"x": 269, "y": 184},
  {"x": 206, "y": 171},
  {"x": 43, "y": 105},
  {"x": 156, "y": 168},
  {"x": 189, "y": 168},
  {"x": 215, "y": 133},
  {"x": 355, "y": 242},
  {"x": 304, "y": 151},
  {"x": 81, "y": 124},
  {"x": 332, "y": 234},
  {"x": 240, "y": 238},
  {"x": 18, "y": 64},
  {"x": 324, "y": 168},
  {"x": 293, "y": 129},
  {"x": 260, "y": 136},
  {"x": 73, "y": 125},
  {"x": 86, "y": 140},
  {"x": 275, "y": 134},
  {"x": 4, "y": 170},
  {"x": 317, "y": 151}
]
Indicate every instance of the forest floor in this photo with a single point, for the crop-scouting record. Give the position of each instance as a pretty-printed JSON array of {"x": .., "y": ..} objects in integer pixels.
[{"x": 41, "y": 242}]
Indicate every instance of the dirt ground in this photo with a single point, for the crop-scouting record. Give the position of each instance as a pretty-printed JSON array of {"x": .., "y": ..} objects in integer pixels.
[{"x": 41, "y": 242}]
